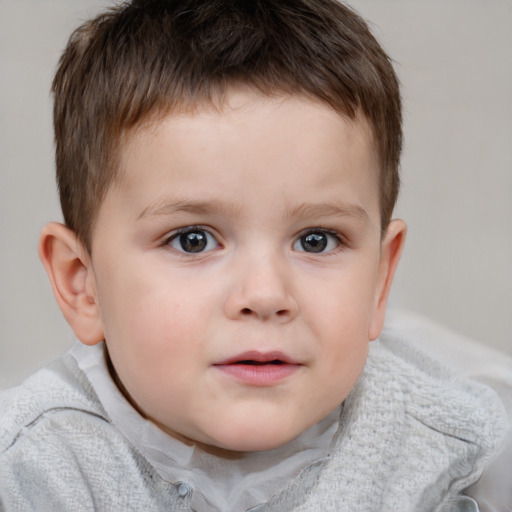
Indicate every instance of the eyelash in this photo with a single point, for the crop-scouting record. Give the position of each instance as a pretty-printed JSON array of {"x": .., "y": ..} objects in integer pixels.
[{"x": 299, "y": 239}]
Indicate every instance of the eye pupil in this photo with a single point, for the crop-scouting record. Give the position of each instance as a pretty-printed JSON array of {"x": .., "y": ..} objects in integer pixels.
[
  {"x": 193, "y": 241},
  {"x": 314, "y": 242}
]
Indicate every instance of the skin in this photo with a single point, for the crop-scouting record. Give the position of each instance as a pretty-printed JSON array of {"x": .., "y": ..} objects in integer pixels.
[{"x": 254, "y": 177}]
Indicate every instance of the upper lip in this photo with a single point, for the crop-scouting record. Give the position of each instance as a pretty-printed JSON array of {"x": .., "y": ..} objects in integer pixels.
[{"x": 259, "y": 357}]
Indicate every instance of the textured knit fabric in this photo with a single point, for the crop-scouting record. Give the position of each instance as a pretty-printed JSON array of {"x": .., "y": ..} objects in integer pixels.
[{"x": 411, "y": 437}]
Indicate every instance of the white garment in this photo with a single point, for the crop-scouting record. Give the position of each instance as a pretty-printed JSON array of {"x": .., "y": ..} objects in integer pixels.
[
  {"x": 471, "y": 359},
  {"x": 411, "y": 438}
]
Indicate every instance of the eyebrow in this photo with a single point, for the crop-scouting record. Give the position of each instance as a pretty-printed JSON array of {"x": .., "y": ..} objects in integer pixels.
[
  {"x": 312, "y": 210},
  {"x": 169, "y": 208},
  {"x": 331, "y": 210}
]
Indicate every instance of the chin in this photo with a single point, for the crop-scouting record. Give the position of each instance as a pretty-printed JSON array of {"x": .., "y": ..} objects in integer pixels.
[{"x": 255, "y": 440}]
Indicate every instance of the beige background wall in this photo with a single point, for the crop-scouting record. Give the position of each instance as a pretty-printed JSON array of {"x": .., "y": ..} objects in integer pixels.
[{"x": 454, "y": 58}]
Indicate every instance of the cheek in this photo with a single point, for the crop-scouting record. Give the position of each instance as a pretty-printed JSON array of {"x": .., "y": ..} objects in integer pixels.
[
  {"x": 136, "y": 301},
  {"x": 341, "y": 304},
  {"x": 154, "y": 346},
  {"x": 152, "y": 324},
  {"x": 344, "y": 355},
  {"x": 339, "y": 314}
]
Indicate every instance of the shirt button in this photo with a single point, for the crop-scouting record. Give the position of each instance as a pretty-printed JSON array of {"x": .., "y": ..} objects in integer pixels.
[{"x": 183, "y": 490}]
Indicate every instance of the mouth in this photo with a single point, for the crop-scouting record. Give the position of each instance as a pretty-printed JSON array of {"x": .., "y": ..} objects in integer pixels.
[
  {"x": 259, "y": 369},
  {"x": 253, "y": 357},
  {"x": 260, "y": 363}
]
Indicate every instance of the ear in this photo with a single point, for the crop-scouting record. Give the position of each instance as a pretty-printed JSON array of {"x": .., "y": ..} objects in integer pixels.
[
  {"x": 390, "y": 251},
  {"x": 69, "y": 268}
]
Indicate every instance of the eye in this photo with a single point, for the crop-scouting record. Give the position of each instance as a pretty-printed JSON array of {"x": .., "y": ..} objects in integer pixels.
[
  {"x": 193, "y": 240},
  {"x": 317, "y": 241}
]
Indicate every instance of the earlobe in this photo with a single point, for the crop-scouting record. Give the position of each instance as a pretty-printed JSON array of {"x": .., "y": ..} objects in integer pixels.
[
  {"x": 69, "y": 269},
  {"x": 391, "y": 249}
]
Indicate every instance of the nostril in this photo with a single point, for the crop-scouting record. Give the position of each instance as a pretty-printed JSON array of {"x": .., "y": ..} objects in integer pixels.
[{"x": 249, "y": 311}]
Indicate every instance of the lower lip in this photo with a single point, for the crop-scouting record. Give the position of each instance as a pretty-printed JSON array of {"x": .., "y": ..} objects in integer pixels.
[{"x": 259, "y": 375}]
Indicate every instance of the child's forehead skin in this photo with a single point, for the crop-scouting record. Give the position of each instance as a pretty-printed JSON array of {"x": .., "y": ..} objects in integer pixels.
[{"x": 261, "y": 137}]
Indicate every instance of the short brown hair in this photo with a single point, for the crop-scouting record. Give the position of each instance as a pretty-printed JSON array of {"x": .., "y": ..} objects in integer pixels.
[{"x": 147, "y": 57}]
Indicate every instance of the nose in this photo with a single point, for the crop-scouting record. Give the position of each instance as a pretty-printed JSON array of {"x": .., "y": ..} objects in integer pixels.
[{"x": 262, "y": 290}]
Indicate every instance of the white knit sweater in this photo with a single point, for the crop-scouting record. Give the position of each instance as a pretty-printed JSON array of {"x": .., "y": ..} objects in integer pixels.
[{"x": 411, "y": 437}]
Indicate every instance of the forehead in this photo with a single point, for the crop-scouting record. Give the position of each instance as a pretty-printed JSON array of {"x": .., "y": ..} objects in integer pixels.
[
  {"x": 290, "y": 142},
  {"x": 242, "y": 105}
]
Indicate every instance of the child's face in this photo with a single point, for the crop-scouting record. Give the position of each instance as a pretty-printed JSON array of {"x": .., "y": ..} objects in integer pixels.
[{"x": 237, "y": 268}]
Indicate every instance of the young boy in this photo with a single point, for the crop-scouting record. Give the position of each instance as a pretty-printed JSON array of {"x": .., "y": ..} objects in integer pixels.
[{"x": 227, "y": 173}]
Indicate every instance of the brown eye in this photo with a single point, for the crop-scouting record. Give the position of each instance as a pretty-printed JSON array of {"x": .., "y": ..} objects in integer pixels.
[
  {"x": 314, "y": 242},
  {"x": 193, "y": 241},
  {"x": 317, "y": 242}
]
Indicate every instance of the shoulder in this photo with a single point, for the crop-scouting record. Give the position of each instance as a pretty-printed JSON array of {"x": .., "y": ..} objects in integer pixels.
[
  {"x": 438, "y": 397},
  {"x": 474, "y": 362},
  {"x": 450, "y": 417},
  {"x": 442, "y": 372},
  {"x": 58, "y": 389},
  {"x": 426, "y": 433},
  {"x": 40, "y": 423},
  {"x": 59, "y": 450}
]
